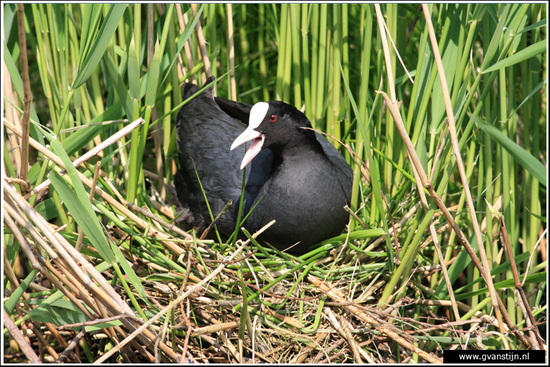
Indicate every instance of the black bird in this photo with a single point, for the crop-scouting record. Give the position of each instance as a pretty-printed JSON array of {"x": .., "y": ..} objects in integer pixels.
[{"x": 293, "y": 175}]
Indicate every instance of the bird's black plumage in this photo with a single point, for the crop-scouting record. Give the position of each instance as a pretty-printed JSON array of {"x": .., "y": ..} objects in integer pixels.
[{"x": 297, "y": 178}]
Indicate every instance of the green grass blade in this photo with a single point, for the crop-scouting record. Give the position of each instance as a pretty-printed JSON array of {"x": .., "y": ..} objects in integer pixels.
[
  {"x": 91, "y": 15},
  {"x": 91, "y": 58},
  {"x": 77, "y": 202},
  {"x": 57, "y": 311},
  {"x": 524, "y": 158},
  {"x": 83, "y": 214},
  {"x": 14, "y": 298},
  {"x": 119, "y": 86},
  {"x": 78, "y": 139},
  {"x": 134, "y": 75},
  {"x": 518, "y": 57}
]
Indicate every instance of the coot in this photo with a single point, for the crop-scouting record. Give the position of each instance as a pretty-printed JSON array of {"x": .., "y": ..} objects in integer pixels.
[{"x": 291, "y": 174}]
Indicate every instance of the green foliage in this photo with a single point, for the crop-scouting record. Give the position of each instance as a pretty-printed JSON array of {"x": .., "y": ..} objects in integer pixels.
[{"x": 58, "y": 312}]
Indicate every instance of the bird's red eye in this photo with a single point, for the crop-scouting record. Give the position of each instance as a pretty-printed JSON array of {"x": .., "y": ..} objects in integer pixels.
[{"x": 272, "y": 118}]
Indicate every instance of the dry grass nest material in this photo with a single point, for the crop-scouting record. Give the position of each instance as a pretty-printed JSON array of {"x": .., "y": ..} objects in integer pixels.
[{"x": 321, "y": 309}]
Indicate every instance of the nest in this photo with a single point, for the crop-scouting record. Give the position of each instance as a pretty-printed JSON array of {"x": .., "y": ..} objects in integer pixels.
[
  {"x": 133, "y": 287},
  {"x": 195, "y": 301}
]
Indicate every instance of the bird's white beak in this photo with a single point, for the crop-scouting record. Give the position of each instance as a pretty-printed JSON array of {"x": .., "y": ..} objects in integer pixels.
[{"x": 257, "y": 114}]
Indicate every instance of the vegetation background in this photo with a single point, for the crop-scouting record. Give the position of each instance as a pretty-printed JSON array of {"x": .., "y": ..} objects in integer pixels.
[{"x": 95, "y": 271}]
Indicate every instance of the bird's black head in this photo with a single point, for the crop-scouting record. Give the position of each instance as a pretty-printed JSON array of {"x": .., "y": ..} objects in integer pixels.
[
  {"x": 283, "y": 126},
  {"x": 275, "y": 125}
]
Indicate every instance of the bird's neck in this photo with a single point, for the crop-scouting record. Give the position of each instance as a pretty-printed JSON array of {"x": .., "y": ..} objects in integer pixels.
[
  {"x": 300, "y": 153},
  {"x": 304, "y": 142}
]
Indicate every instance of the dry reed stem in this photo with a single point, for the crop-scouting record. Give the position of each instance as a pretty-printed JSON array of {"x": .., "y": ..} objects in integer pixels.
[
  {"x": 433, "y": 234},
  {"x": 536, "y": 340},
  {"x": 37, "y": 265},
  {"x": 462, "y": 306},
  {"x": 462, "y": 238},
  {"x": 19, "y": 338},
  {"x": 343, "y": 328},
  {"x": 419, "y": 174},
  {"x": 364, "y": 315},
  {"x": 418, "y": 166},
  {"x": 232, "y": 81},
  {"x": 71, "y": 258},
  {"x": 310, "y": 348},
  {"x": 460, "y": 166},
  {"x": 382, "y": 29},
  {"x": 75, "y": 271},
  {"x": 202, "y": 46},
  {"x": 11, "y": 114},
  {"x": 27, "y": 97},
  {"x": 183, "y": 21},
  {"x": 10, "y": 274},
  {"x": 105, "y": 196},
  {"x": 156, "y": 218},
  {"x": 72, "y": 344},
  {"x": 180, "y": 298},
  {"x": 210, "y": 329},
  {"x": 92, "y": 152}
]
